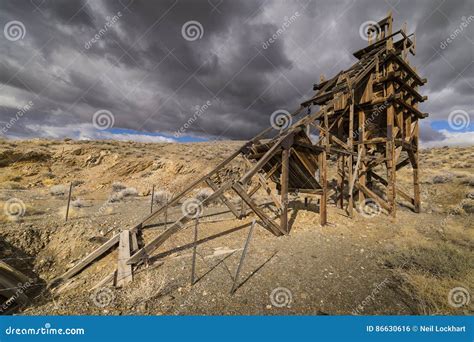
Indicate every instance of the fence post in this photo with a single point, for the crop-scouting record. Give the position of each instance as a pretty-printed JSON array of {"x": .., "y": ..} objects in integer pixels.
[
  {"x": 242, "y": 257},
  {"x": 193, "y": 269},
  {"x": 152, "y": 198},
  {"x": 68, "y": 201}
]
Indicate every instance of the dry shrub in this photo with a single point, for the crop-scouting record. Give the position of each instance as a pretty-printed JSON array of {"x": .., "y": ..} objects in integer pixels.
[
  {"x": 78, "y": 203},
  {"x": 118, "y": 196},
  {"x": 74, "y": 212},
  {"x": 204, "y": 194},
  {"x": 425, "y": 276},
  {"x": 58, "y": 190},
  {"x": 117, "y": 186},
  {"x": 162, "y": 197},
  {"x": 444, "y": 260},
  {"x": 11, "y": 185},
  {"x": 129, "y": 192},
  {"x": 468, "y": 180},
  {"x": 441, "y": 179}
]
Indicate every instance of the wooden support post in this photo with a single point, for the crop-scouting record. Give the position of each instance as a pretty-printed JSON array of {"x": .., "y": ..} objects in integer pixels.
[
  {"x": 224, "y": 199},
  {"x": 267, "y": 222},
  {"x": 68, "y": 201},
  {"x": 124, "y": 271},
  {"x": 323, "y": 182},
  {"x": 390, "y": 147},
  {"x": 361, "y": 152},
  {"x": 133, "y": 241},
  {"x": 285, "y": 166},
  {"x": 350, "y": 207},
  {"x": 340, "y": 165},
  {"x": 166, "y": 213},
  {"x": 416, "y": 182},
  {"x": 152, "y": 198}
]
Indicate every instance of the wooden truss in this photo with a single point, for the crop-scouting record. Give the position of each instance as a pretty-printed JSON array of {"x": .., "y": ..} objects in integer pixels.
[{"x": 366, "y": 118}]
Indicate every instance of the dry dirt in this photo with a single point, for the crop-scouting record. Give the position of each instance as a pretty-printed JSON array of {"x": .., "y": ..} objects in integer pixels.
[{"x": 365, "y": 265}]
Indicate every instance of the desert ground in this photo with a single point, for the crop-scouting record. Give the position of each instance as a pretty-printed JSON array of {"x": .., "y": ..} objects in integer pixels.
[{"x": 371, "y": 264}]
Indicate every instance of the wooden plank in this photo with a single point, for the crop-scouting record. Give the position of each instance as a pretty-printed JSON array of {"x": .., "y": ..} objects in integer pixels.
[
  {"x": 361, "y": 156},
  {"x": 263, "y": 182},
  {"x": 340, "y": 166},
  {"x": 285, "y": 168},
  {"x": 87, "y": 260},
  {"x": 390, "y": 147},
  {"x": 268, "y": 155},
  {"x": 323, "y": 181},
  {"x": 268, "y": 223},
  {"x": 399, "y": 191},
  {"x": 374, "y": 196},
  {"x": 350, "y": 206},
  {"x": 307, "y": 191},
  {"x": 134, "y": 241},
  {"x": 355, "y": 172},
  {"x": 124, "y": 270},
  {"x": 224, "y": 199}
]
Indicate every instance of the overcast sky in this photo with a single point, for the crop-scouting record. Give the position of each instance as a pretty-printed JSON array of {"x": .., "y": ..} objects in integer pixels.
[{"x": 175, "y": 70}]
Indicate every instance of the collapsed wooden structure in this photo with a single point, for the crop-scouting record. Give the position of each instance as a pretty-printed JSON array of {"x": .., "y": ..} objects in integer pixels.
[{"x": 367, "y": 120}]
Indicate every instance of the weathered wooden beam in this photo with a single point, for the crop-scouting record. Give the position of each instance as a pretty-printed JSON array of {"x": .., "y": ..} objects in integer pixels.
[
  {"x": 374, "y": 196},
  {"x": 224, "y": 199},
  {"x": 323, "y": 181},
  {"x": 263, "y": 182},
  {"x": 87, "y": 260},
  {"x": 350, "y": 142},
  {"x": 262, "y": 161},
  {"x": 306, "y": 191},
  {"x": 267, "y": 222},
  {"x": 285, "y": 168},
  {"x": 124, "y": 271}
]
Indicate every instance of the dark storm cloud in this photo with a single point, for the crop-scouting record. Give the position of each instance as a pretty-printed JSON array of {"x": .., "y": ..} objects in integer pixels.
[{"x": 142, "y": 69}]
